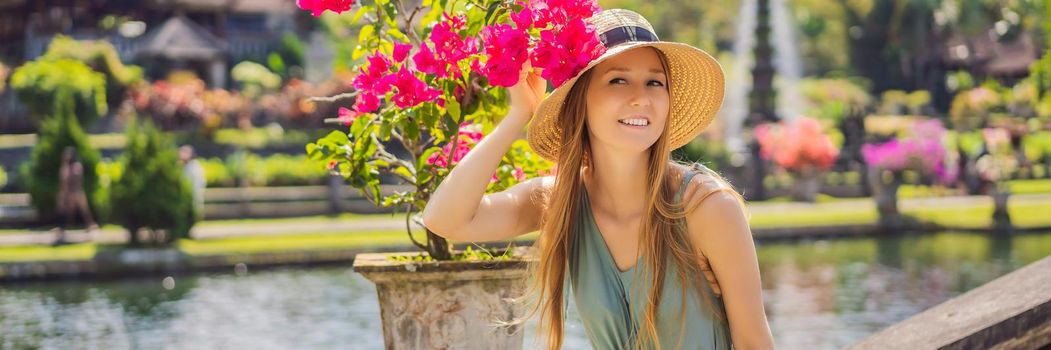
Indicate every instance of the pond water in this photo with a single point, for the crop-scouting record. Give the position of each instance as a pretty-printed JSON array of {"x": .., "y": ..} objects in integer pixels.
[{"x": 819, "y": 294}]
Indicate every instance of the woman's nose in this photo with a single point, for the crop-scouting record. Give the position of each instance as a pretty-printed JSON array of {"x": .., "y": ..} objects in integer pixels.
[{"x": 640, "y": 98}]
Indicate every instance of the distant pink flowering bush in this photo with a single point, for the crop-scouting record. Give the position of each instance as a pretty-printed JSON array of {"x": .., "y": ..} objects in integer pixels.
[
  {"x": 920, "y": 149},
  {"x": 798, "y": 145}
]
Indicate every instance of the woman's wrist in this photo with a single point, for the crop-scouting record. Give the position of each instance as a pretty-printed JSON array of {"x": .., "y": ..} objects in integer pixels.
[{"x": 518, "y": 115}]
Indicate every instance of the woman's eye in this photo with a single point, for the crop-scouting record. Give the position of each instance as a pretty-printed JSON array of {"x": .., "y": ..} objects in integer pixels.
[
  {"x": 617, "y": 81},
  {"x": 656, "y": 83}
]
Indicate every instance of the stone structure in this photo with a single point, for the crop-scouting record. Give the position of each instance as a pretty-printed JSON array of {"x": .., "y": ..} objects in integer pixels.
[{"x": 447, "y": 304}]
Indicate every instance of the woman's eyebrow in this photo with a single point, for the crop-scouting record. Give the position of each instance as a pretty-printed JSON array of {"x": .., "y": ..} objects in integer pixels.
[{"x": 623, "y": 69}]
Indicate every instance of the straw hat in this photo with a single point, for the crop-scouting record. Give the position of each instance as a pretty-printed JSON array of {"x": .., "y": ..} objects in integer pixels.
[{"x": 695, "y": 82}]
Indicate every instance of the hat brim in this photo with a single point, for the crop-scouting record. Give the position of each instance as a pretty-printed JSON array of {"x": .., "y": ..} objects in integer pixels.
[{"x": 696, "y": 85}]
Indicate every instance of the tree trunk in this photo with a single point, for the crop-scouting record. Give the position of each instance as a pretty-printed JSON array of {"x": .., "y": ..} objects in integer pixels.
[
  {"x": 1001, "y": 218},
  {"x": 886, "y": 196},
  {"x": 439, "y": 247}
]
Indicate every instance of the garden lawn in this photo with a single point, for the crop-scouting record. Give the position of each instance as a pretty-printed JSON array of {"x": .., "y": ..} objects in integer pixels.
[{"x": 235, "y": 245}]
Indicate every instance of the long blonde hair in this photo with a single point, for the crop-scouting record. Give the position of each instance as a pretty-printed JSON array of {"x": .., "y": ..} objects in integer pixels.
[{"x": 663, "y": 231}]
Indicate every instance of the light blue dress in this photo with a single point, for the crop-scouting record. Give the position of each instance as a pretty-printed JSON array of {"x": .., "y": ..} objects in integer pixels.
[{"x": 612, "y": 312}]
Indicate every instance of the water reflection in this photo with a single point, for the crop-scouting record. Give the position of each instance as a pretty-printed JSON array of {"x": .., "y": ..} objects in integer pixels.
[
  {"x": 829, "y": 294},
  {"x": 819, "y": 295}
]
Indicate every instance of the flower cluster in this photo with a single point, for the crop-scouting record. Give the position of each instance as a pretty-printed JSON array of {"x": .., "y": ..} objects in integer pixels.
[
  {"x": 468, "y": 137},
  {"x": 465, "y": 140},
  {"x": 317, "y": 7},
  {"x": 567, "y": 43},
  {"x": 797, "y": 146},
  {"x": 1000, "y": 163},
  {"x": 919, "y": 149},
  {"x": 449, "y": 48}
]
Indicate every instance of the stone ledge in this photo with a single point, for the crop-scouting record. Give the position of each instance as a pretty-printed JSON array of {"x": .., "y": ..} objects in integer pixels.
[{"x": 1010, "y": 312}]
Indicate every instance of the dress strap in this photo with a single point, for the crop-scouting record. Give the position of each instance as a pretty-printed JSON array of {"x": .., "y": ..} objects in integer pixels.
[{"x": 685, "y": 181}]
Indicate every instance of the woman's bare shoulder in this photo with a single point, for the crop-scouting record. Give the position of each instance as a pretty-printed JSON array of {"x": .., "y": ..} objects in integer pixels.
[{"x": 705, "y": 184}]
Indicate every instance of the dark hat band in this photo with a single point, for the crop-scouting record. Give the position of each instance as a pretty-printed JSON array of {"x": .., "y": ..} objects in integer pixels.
[{"x": 620, "y": 35}]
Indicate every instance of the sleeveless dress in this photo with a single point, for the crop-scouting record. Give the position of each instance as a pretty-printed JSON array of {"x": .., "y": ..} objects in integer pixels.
[{"x": 612, "y": 312}]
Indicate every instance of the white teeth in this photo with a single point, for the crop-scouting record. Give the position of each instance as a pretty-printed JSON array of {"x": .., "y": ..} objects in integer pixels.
[{"x": 636, "y": 122}]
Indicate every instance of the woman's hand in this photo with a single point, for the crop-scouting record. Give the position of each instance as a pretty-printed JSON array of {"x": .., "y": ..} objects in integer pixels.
[{"x": 527, "y": 93}]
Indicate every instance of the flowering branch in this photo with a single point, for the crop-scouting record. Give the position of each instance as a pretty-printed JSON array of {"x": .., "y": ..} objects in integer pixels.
[{"x": 433, "y": 90}]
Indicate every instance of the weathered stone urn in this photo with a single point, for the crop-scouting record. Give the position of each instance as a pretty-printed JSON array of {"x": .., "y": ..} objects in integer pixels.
[{"x": 447, "y": 304}]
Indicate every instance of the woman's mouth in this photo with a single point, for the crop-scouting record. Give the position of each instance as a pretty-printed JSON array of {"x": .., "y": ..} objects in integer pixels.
[{"x": 634, "y": 123}]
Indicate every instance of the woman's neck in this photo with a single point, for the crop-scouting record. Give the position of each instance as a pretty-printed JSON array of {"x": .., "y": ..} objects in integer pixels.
[{"x": 617, "y": 184}]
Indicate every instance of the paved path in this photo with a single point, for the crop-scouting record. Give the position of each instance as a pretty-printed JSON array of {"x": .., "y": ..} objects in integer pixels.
[{"x": 207, "y": 230}]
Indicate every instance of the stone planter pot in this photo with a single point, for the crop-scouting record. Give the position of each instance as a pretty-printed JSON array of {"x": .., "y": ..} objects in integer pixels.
[
  {"x": 805, "y": 187},
  {"x": 447, "y": 304}
]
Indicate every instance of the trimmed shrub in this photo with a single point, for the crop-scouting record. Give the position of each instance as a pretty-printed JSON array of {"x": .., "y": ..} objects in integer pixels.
[
  {"x": 56, "y": 133},
  {"x": 152, "y": 192},
  {"x": 37, "y": 84}
]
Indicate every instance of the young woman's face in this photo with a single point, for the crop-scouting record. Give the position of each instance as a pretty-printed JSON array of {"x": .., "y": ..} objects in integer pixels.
[{"x": 628, "y": 101}]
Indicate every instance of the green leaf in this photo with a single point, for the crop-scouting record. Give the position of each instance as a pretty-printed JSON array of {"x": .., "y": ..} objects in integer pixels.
[
  {"x": 397, "y": 34},
  {"x": 423, "y": 177},
  {"x": 358, "y": 125},
  {"x": 338, "y": 137},
  {"x": 385, "y": 130},
  {"x": 361, "y": 12},
  {"x": 430, "y": 116},
  {"x": 366, "y": 35},
  {"x": 492, "y": 9},
  {"x": 452, "y": 127},
  {"x": 359, "y": 50},
  {"x": 412, "y": 128},
  {"x": 403, "y": 171},
  {"x": 426, "y": 154},
  {"x": 453, "y": 108}
]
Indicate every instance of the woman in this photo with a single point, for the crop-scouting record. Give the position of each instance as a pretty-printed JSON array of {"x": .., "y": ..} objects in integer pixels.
[
  {"x": 71, "y": 199},
  {"x": 619, "y": 217}
]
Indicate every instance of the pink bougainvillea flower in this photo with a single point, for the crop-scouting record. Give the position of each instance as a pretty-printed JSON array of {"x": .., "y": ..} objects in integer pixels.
[
  {"x": 466, "y": 139},
  {"x": 449, "y": 48},
  {"x": 427, "y": 62},
  {"x": 507, "y": 49},
  {"x": 347, "y": 115},
  {"x": 366, "y": 102},
  {"x": 411, "y": 91},
  {"x": 401, "y": 50},
  {"x": 317, "y": 7},
  {"x": 545, "y": 12},
  {"x": 371, "y": 78},
  {"x": 562, "y": 52},
  {"x": 523, "y": 19}
]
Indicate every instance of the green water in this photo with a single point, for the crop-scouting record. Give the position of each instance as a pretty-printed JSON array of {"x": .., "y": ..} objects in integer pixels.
[{"x": 822, "y": 294}]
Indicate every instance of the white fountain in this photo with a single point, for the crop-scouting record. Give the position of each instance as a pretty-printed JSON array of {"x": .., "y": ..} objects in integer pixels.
[{"x": 739, "y": 79}]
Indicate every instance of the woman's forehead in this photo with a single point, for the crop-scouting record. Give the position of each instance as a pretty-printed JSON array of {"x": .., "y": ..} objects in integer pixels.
[{"x": 637, "y": 59}]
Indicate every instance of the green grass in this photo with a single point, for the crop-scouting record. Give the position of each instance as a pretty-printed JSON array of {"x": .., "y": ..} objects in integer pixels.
[
  {"x": 1030, "y": 186},
  {"x": 302, "y": 219},
  {"x": 1027, "y": 186},
  {"x": 82, "y": 251},
  {"x": 1023, "y": 215},
  {"x": 827, "y": 216},
  {"x": 207, "y": 223},
  {"x": 297, "y": 242},
  {"x": 233, "y": 246}
]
